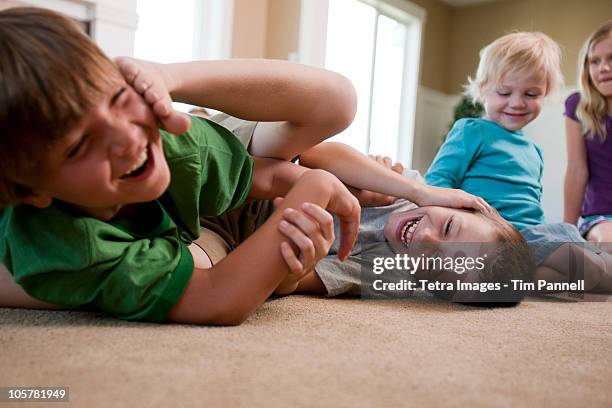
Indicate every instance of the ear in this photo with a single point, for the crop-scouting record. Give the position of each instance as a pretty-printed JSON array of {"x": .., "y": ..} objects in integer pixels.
[{"x": 37, "y": 200}]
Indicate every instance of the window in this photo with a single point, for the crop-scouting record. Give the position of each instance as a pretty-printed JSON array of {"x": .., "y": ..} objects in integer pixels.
[
  {"x": 377, "y": 47},
  {"x": 183, "y": 30}
]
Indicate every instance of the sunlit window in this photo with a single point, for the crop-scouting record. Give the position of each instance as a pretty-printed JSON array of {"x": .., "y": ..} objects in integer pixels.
[
  {"x": 165, "y": 30},
  {"x": 369, "y": 46}
]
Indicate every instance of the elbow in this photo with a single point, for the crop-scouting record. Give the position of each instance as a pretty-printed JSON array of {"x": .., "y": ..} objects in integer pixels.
[{"x": 341, "y": 108}]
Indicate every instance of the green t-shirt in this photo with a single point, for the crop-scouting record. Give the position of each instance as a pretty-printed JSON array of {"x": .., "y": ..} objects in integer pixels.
[{"x": 134, "y": 268}]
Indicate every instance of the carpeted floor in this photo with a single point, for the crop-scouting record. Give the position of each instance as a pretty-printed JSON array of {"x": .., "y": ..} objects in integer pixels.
[{"x": 308, "y": 351}]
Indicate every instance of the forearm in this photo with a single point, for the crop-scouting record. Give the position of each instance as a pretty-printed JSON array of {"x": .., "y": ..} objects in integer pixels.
[
  {"x": 359, "y": 171},
  {"x": 265, "y": 90},
  {"x": 573, "y": 194},
  {"x": 228, "y": 292}
]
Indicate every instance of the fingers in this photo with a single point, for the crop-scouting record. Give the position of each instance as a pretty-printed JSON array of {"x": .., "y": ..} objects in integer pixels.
[
  {"x": 176, "y": 123},
  {"x": 277, "y": 202},
  {"x": 348, "y": 236},
  {"x": 398, "y": 168},
  {"x": 128, "y": 68},
  {"x": 304, "y": 244},
  {"x": 294, "y": 264},
  {"x": 323, "y": 218}
]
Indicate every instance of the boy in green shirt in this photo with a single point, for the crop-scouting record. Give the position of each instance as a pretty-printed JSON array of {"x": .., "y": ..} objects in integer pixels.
[{"x": 91, "y": 216}]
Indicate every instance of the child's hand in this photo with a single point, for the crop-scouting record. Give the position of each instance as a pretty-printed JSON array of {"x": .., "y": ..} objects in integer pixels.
[
  {"x": 311, "y": 231},
  {"x": 346, "y": 207},
  {"x": 149, "y": 80},
  {"x": 447, "y": 197}
]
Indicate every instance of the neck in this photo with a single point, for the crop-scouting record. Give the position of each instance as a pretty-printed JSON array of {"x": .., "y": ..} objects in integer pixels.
[{"x": 101, "y": 213}]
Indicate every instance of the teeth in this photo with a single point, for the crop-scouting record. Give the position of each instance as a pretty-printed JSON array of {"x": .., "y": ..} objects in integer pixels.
[
  {"x": 408, "y": 230},
  {"x": 141, "y": 160}
]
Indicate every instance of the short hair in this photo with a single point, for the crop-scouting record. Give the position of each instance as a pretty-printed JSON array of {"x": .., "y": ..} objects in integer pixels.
[
  {"x": 512, "y": 258},
  {"x": 51, "y": 75},
  {"x": 517, "y": 52},
  {"x": 592, "y": 108}
]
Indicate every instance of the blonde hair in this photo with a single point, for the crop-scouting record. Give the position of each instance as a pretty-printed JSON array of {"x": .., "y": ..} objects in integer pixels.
[
  {"x": 517, "y": 52},
  {"x": 592, "y": 108}
]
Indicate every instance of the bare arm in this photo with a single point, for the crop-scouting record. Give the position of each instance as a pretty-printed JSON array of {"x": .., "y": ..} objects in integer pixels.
[
  {"x": 576, "y": 173},
  {"x": 229, "y": 291},
  {"x": 298, "y": 105},
  {"x": 13, "y": 295},
  {"x": 359, "y": 171}
]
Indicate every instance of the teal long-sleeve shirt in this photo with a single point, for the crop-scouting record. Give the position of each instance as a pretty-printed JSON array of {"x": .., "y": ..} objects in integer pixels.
[{"x": 487, "y": 160}]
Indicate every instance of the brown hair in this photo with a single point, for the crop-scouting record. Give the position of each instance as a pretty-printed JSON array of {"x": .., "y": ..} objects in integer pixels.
[
  {"x": 51, "y": 74},
  {"x": 513, "y": 259},
  {"x": 592, "y": 108}
]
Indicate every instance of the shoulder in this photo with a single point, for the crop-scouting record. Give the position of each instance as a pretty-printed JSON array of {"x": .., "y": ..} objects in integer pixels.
[
  {"x": 571, "y": 104},
  {"x": 472, "y": 130},
  {"x": 573, "y": 100}
]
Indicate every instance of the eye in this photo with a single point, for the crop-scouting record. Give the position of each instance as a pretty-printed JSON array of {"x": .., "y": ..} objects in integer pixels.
[
  {"x": 79, "y": 147},
  {"x": 448, "y": 226},
  {"x": 532, "y": 94},
  {"x": 594, "y": 61},
  {"x": 503, "y": 93},
  {"x": 119, "y": 95}
]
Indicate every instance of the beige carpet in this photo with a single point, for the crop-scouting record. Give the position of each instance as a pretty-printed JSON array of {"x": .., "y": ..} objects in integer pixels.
[{"x": 308, "y": 351}]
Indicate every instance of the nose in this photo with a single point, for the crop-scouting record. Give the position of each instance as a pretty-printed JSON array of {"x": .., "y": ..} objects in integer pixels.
[
  {"x": 123, "y": 141},
  {"x": 430, "y": 236},
  {"x": 517, "y": 102}
]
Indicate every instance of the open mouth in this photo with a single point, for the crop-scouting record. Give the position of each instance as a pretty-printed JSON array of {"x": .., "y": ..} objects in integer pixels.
[
  {"x": 406, "y": 232},
  {"x": 140, "y": 166}
]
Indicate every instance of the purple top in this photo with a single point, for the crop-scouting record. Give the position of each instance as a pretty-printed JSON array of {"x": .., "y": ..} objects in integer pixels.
[{"x": 598, "y": 193}]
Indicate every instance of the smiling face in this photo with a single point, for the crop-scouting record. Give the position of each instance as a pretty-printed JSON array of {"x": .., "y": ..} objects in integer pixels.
[
  {"x": 112, "y": 157},
  {"x": 600, "y": 67},
  {"x": 516, "y": 100},
  {"x": 436, "y": 225},
  {"x": 439, "y": 231}
]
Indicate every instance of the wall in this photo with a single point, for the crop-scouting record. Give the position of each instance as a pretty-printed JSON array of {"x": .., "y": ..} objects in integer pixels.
[
  {"x": 283, "y": 28},
  {"x": 568, "y": 22},
  {"x": 435, "y": 50},
  {"x": 250, "y": 28}
]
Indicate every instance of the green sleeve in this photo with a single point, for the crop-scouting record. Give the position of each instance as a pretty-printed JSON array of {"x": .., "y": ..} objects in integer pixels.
[{"x": 81, "y": 262}]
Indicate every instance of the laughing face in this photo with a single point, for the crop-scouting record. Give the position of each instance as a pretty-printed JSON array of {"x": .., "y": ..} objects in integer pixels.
[
  {"x": 112, "y": 158},
  {"x": 600, "y": 67},
  {"x": 441, "y": 231},
  {"x": 436, "y": 225},
  {"x": 515, "y": 101}
]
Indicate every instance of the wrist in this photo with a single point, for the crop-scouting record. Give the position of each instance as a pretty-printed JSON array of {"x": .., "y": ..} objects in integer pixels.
[
  {"x": 170, "y": 76},
  {"x": 417, "y": 192}
]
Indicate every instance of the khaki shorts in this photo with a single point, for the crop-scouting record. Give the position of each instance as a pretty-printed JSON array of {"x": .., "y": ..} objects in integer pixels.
[{"x": 221, "y": 234}]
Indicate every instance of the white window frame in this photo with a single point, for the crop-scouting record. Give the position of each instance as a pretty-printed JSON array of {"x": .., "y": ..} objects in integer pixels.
[{"x": 312, "y": 45}]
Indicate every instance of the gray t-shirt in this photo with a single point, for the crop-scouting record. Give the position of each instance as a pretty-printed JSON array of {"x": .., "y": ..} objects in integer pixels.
[{"x": 346, "y": 277}]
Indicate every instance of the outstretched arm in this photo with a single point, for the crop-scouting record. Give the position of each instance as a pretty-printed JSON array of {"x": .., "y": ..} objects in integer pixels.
[{"x": 359, "y": 171}]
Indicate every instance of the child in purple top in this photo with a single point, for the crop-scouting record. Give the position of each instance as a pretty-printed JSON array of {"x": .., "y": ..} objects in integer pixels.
[{"x": 588, "y": 180}]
